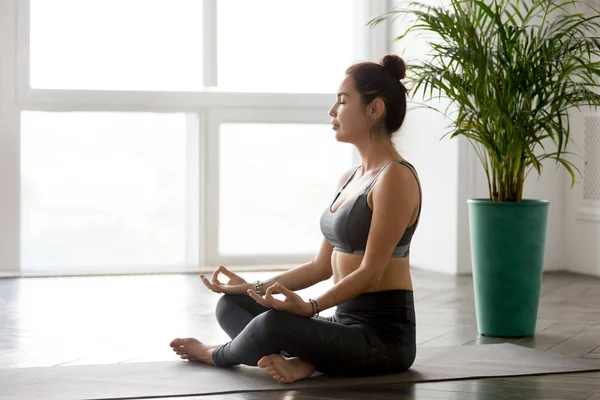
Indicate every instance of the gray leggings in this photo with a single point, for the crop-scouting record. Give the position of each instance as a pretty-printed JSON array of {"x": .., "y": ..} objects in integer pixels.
[{"x": 372, "y": 334}]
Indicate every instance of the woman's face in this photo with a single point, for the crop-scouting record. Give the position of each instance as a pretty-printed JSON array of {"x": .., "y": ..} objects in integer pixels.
[{"x": 349, "y": 116}]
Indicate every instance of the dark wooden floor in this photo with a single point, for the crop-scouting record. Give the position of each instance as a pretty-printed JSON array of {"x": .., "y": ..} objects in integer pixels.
[{"x": 94, "y": 320}]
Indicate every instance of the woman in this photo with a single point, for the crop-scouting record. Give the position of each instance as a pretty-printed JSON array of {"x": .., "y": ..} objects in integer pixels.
[{"x": 367, "y": 232}]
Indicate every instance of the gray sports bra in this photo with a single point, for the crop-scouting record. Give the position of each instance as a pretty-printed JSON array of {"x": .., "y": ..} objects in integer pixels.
[{"x": 347, "y": 229}]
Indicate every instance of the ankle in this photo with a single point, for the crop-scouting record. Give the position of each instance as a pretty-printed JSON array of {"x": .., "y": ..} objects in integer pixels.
[{"x": 209, "y": 354}]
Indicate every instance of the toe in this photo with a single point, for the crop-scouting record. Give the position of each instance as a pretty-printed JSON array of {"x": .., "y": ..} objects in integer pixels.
[
  {"x": 266, "y": 360},
  {"x": 262, "y": 363},
  {"x": 176, "y": 342}
]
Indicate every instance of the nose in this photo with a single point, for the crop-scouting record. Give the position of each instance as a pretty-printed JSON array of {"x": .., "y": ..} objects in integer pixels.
[{"x": 333, "y": 111}]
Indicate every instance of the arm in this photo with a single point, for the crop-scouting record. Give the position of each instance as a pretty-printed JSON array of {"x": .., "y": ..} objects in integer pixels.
[{"x": 394, "y": 202}]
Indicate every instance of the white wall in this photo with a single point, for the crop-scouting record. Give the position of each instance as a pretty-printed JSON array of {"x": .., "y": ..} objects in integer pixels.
[
  {"x": 582, "y": 218},
  {"x": 435, "y": 243},
  {"x": 434, "y": 246},
  {"x": 581, "y": 215}
]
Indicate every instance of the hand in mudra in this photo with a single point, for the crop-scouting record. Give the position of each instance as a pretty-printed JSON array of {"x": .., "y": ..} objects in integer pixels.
[
  {"x": 235, "y": 285},
  {"x": 292, "y": 303}
]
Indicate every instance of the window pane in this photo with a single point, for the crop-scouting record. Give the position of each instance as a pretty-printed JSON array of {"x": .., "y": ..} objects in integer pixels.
[
  {"x": 275, "y": 180},
  {"x": 103, "y": 189},
  {"x": 116, "y": 44},
  {"x": 283, "y": 46}
]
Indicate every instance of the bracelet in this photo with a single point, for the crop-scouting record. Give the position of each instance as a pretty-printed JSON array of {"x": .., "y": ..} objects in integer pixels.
[
  {"x": 315, "y": 307},
  {"x": 258, "y": 287}
]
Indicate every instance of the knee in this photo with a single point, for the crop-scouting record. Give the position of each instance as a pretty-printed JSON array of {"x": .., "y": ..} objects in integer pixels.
[
  {"x": 226, "y": 305},
  {"x": 275, "y": 318},
  {"x": 272, "y": 325}
]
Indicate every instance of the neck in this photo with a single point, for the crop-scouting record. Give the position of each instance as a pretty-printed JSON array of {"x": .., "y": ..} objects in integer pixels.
[{"x": 375, "y": 152}]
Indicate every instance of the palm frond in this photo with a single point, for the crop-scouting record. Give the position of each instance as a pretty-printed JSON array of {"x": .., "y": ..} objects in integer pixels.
[{"x": 512, "y": 71}]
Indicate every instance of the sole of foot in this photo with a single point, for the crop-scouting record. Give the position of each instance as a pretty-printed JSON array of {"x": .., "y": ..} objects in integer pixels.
[{"x": 286, "y": 370}]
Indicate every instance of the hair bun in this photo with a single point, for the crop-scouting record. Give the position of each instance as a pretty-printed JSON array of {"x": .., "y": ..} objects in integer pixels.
[{"x": 394, "y": 65}]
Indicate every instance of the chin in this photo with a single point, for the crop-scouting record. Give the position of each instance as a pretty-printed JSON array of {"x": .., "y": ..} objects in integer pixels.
[{"x": 340, "y": 137}]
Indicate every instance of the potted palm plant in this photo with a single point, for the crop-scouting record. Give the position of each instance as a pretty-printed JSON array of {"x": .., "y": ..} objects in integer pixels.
[{"x": 512, "y": 70}]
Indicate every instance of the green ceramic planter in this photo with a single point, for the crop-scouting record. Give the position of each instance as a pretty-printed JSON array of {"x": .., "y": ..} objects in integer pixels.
[{"x": 507, "y": 248}]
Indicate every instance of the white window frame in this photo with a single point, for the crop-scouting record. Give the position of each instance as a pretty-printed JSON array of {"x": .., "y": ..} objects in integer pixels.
[
  {"x": 220, "y": 116},
  {"x": 206, "y": 108}
]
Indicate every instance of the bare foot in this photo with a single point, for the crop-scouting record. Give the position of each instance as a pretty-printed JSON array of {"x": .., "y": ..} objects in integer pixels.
[
  {"x": 193, "y": 350},
  {"x": 286, "y": 370}
]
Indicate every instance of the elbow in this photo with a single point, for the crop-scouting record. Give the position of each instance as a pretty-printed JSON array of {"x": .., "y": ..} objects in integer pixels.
[
  {"x": 372, "y": 276},
  {"x": 323, "y": 271},
  {"x": 376, "y": 280},
  {"x": 326, "y": 273}
]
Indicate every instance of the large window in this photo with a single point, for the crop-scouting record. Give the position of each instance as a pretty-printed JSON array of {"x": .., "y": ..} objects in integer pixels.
[
  {"x": 275, "y": 180},
  {"x": 116, "y": 44},
  {"x": 172, "y": 135},
  {"x": 289, "y": 46},
  {"x": 276, "y": 172},
  {"x": 103, "y": 189},
  {"x": 262, "y": 45}
]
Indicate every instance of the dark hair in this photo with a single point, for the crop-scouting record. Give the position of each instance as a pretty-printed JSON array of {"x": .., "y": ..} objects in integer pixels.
[{"x": 382, "y": 80}]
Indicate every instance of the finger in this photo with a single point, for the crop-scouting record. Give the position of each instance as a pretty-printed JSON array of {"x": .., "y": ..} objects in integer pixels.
[
  {"x": 215, "y": 275},
  {"x": 283, "y": 290},
  {"x": 217, "y": 287},
  {"x": 257, "y": 298},
  {"x": 274, "y": 303},
  {"x": 208, "y": 284},
  {"x": 269, "y": 291},
  {"x": 222, "y": 270}
]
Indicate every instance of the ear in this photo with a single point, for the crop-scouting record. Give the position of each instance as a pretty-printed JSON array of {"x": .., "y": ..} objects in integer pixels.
[{"x": 377, "y": 109}]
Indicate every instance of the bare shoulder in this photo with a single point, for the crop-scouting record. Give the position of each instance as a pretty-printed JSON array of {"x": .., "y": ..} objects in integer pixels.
[
  {"x": 397, "y": 182},
  {"x": 395, "y": 202}
]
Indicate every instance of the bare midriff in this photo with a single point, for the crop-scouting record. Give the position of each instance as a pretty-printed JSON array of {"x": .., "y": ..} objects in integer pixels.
[{"x": 396, "y": 275}]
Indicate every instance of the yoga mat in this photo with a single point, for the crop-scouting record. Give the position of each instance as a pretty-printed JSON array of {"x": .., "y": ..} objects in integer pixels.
[{"x": 180, "y": 378}]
